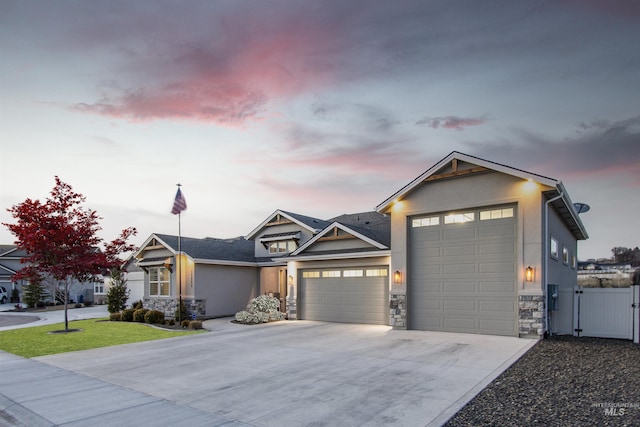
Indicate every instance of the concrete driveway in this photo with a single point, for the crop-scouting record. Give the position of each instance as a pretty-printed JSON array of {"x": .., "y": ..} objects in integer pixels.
[{"x": 307, "y": 373}]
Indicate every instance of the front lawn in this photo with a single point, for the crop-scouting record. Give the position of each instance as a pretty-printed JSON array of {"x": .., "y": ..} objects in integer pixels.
[{"x": 95, "y": 333}]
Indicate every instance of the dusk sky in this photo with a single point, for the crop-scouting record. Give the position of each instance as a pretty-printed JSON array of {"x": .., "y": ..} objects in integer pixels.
[{"x": 316, "y": 107}]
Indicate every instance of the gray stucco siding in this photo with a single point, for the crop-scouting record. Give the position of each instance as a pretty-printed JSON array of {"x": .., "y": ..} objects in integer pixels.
[{"x": 226, "y": 289}]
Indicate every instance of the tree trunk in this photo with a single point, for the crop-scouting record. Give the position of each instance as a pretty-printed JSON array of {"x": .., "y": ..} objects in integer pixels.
[{"x": 66, "y": 301}]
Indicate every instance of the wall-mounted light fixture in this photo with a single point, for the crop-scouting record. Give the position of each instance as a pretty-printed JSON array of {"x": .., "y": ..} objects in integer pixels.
[
  {"x": 397, "y": 277},
  {"x": 529, "y": 274}
]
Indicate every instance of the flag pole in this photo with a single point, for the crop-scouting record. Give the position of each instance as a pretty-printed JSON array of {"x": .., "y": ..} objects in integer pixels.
[
  {"x": 179, "y": 204},
  {"x": 179, "y": 272}
]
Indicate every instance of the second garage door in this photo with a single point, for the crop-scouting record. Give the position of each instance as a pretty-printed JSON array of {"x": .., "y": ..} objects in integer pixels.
[
  {"x": 353, "y": 295},
  {"x": 462, "y": 271}
]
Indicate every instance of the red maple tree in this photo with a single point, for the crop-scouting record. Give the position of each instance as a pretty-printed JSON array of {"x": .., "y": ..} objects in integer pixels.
[{"x": 60, "y": 239}]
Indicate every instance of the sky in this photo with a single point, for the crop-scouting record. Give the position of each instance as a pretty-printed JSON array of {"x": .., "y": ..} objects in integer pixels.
[{"x": 315, "y": 107}]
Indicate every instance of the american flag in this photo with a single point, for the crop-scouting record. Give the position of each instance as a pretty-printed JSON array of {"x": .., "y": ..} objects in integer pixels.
[{"x": 179, "y": 204}]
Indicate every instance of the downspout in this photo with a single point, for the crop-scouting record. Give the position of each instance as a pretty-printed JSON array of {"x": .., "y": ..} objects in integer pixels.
[{"x": 545, "y": 254}]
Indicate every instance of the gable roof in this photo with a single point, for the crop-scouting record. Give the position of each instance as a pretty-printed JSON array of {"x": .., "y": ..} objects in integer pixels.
[
  {"x": 562, "y": 204},
  {"x": 236, "y": 249},
  {"x": 371, "y": 227},
  {"x": 314, "y": 225}
]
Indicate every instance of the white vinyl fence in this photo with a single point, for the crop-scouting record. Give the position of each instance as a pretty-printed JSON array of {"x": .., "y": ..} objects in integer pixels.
[{"x": 605, "y": 312}]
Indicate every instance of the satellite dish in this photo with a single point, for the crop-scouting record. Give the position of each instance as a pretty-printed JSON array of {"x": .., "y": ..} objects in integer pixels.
[{"x": 581, "y": 207}]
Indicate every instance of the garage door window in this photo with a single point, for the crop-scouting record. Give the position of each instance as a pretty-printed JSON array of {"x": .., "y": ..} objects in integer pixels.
[
  {"x": 311, "y": 274},
  {"x": 376, "y": 273},
  {"x": 459, "y": 218},
  {"x": 496, "y": 214},
  {"x": 425, "y": 222},
  {"x": 352, "y": 273},
  {"x": 332, "y": 273}
]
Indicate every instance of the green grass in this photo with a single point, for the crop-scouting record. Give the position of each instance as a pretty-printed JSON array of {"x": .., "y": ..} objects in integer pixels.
[{"x": 96, "y": 333}]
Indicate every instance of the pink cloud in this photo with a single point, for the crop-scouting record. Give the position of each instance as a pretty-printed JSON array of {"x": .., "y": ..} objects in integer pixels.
[
  {"x": 450, "y": 122},
  {"x": 225, "y": 82}
]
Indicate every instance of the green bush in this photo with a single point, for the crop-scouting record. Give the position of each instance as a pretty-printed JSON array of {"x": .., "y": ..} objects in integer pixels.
[
  {"x": 127, "y": 314},
  {"x": 118, "y": 294},
  {"x": 185, "y": 323},
  {"x": 137, "y": 305},
  {"x": 154, "y": 317},
  {"x": 182, "y": 314},
  {"x": 33, "y": 294},
  {"x": 78, "y": 305},
  {"x": 195, "y": 324},
  {"x": 115, "y": 317},
  {"x": 138, "y": 315},
  {"x": 170, "y": 322},
  {"x": 88, "y": 303}
]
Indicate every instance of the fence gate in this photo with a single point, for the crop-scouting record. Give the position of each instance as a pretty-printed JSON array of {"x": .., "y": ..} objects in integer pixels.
[{"x": 604, "y": 312}]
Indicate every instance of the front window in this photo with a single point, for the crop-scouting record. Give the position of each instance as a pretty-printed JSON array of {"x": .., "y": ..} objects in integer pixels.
[
  {"x": 98, "y": 288},
  {"x": 282, "y": 246},
  {"x": 159, "y": 281},
  {"x": 554, "y": 248}
]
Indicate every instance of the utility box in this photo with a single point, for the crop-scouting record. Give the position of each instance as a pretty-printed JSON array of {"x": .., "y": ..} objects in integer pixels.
[{"x": 552, "y": 297}]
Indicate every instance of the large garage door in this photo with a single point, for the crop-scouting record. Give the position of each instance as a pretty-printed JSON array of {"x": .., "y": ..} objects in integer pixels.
[
  {"x": 462, "y": 271},
  {"x": 353, "y": 295}
]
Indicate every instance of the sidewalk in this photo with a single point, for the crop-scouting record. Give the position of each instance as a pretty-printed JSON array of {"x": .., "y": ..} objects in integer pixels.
[
  {"x": 33, "y": 394},
  {"x": 47, "y": 317}
]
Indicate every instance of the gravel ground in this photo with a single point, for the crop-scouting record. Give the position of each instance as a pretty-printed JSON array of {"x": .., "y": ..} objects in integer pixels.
[{"x": 562, "y": 381}]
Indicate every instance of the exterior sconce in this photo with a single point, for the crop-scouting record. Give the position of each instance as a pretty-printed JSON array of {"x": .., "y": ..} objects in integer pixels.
[
  {"x": 397, "y": 277},
  {"x": 290, "y": 280},
  {"x": 529, "y": 273}
]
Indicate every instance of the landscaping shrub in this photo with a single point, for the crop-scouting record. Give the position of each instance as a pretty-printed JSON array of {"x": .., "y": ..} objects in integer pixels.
[
  {"x": 170, "y": 322},
  {"x": 138, "y": 315},
  {"x": 154, "y": 317},
  {"x": 137, "y": 305},
  {"x": 88, "y": 303},
  {"x": 33, "y": 294},
  {"x": 115, "y": 317},
  {"x": 261, "y": 309},
  {"x": 195, "y": 324},
  {"x": 185, "y": 323},
  {"x": 40, "y": 304},
  {"x": 182, "y": 313},
  {"x": 127, "y": 314},
  {"x": 118, "y": 294}
]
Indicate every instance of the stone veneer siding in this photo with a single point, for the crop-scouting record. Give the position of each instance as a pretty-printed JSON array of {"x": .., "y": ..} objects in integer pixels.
[
  {"x": 292, "y": 309},
  {"x": 398, "y": 311},
  {"x": 169, "y": 306},
  {"x": 531, "y": 318}
]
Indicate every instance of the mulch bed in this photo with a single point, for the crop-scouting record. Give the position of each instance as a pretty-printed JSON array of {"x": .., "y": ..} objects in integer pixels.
[{"x": 562, "y": 381}]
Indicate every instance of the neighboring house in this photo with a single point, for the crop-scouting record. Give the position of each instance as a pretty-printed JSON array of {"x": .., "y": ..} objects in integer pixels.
[
  {"x": 10, "y": 257},
  {"x": 605, "y": 275},
  {"x": 11, "y": 261},
  {"x": 468, "y": 246}
]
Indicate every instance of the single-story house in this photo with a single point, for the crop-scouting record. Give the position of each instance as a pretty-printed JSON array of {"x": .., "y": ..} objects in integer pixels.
[{"x": 468, "y": 246}]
